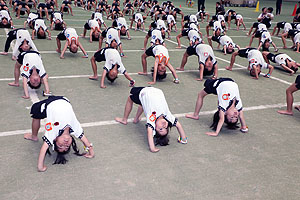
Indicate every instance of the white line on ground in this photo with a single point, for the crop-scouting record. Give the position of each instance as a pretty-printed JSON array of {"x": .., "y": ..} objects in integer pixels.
[{"x": 113, "y": 122}]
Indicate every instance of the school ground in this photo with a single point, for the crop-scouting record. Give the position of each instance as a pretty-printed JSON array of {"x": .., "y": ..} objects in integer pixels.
[{"x": 262, "y": 164}]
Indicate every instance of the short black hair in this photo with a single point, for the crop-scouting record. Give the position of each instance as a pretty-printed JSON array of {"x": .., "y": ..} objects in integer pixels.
[
  {"x": 39, "y": 36},
  {"x": 59, "y": 26},
  {"x": 94, "y": 38},
  {"x": 270, "y": 9},
  {"x": 253, "y": 75},
  {"x": 158, "y": 76},
  {"x": 34, "y": 87},
  {"x": 163, "y": 140},
  {"x": 216, "y": 119}
]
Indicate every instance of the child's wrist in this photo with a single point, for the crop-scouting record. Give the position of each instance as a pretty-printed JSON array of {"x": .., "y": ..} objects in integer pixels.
[
  {"x": 182, "y": 140},
  {"x": 88, "y": 148}
]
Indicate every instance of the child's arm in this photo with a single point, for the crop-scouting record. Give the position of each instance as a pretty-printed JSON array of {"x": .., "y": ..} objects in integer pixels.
[
  {"x": 51, "y": 26},
  {"x": 154, "y": 71},
  {"x": 183, "y": 138},
  {"x": 130, "y": 79},
  {"x": 232, "y": 61},
  {"x": 26, "y": 96},
  {"x": 215, "y": 72},
  {"x": 260, "y": 44},
  {"x": 244, "y": 127},
  {"x": 102, "y": 79},
  {"x": 85, "y": 55},
  {"x": 41, "y": 166},
  {"x": 64, "y": 50},
  {"x": 152, "y": 147},
  {"x": 287, "y": 69},
  {"x": 219, "y": 126},
  {"x": 86, "y": 143},
  {"x": 91, "y": 35},
  {"x": 45, "y": 81},
  {"x": 49, "y": 34},
  {"x": 224, "y": 48},
  {"x": 255, "y": 71},
  {"x": 270, "y": 69},
  {"x": 201, "y": 66},
  {"x": 171, "y": 68},
  {"x": 33, "y": 34}
]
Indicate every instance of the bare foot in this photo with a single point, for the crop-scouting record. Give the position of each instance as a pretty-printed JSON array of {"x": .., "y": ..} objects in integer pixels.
[
  {"x": 29, "y": 136},
  {"x": 120, "y": 120},
  {"x": 142, "y": 73},
  {"x": 192, "y": 116},
  {"x": 297, "y": 108},
  {"x": 178, "y": 47},
  {"x": 284, "y": 112},
  {"x": 4, "y": 53},
  {"x": 180, "y": 69},
  {"x": 58, "y": 50},
  {"x": 93, "y": 77},
  {"x": 228, "y": 68},
  {"x": 14, "y": 84},
  {"x": 135, "y": 121}
]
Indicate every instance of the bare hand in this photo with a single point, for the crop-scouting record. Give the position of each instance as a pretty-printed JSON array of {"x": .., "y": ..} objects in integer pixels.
[
  {"x": 199, "y": 79},
  {"x": 42, "y": 169},
  {"x": 212, "y": 134},
  {"x": 155, "y": 150},
  {"x": 151, "y": 83},
  {"x": 25, "y": 97},
  {"x": 103, "y": 86}
]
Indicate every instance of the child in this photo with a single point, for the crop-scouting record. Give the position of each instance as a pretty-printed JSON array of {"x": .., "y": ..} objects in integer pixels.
[
  {"x": 161, "y": 55},
  {"x": 33, "y": 72},
  {"x": 282, "y": 59},
  {"x": 265, "y": 41},
  {"x": 159, "y": 119},
  {"x": 282, "y": 25},
  {"x": 171, "y": 23},
  {"x": 207, "y": 61},
  {"x": 94, "y": 28},
  {"x": 138, "y": 18},
  {"x": 60, "y": 128},
  {"x": 121, "y": 25},
  {"x": 72, "y": 43},
  {"x": 39, "y": 29},
  {"x": 98, "y": 17},
  {"x": 112, "y": 39},
  {"x": 57, "y": 21},
  {"x": 229, "y": 105},
  {"x": 290, "y": 99},
  {"x": 30, "y": 19},
  {"x": 5, "y": 19},
  {"x": 239, "y": 22},
  {"x": 225, "y": 41},
  {"x": 296, "y": 42}
]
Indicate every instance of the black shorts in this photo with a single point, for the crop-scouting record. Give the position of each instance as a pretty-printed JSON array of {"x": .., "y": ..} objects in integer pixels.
[
  {"x": 280, "y": 24},
  {"x": 100, "y": 55},
  {"x": 258, "y": 34},
  {"x": 297, "y": 81},
  {"x": 255, "y": 25},
  {"x": 191, "y": 50},
  {"x": 149, "y": 51},
  {"x": 42, "y": 5},
  {"x": 292, "y": 33},
  {"x": 135, "y": 93},
  {"x": 86, "y": 26},
  {"x": 66, "y": 2},
  {"x": 244, "y": 52},
  {"x": 36, "y": 109},
  {"x": 272, "y": 57},
  {"x": 211, "y": 88},
  {"x": 61, "y": 35},
  {"x": 208, "y": 73},
  {"x": 216, "y": 38},
  {"x": 103, "y": 34},
  {"x": 211, "y": 23},
  {"x": 185, "y": 32},
  {"x": 177, "y": 10},
  {"x": 142, "y": 9}
]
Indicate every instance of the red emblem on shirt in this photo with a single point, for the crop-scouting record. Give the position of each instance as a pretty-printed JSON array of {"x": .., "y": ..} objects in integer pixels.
[
  {"x": 225, "y": 96},
  {"x": 48, "y": 127},
  {"x": 205, "y": 54},
  {"x": 152, "y": 117},
  {"x": 25, "y": 67},
  {"x": 252, "y": 61}
]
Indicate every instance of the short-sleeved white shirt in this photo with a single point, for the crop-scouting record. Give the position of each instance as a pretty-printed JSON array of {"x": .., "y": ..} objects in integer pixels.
[
  {"x": 193, "y": 35},
  {"x": 239, "y": 17},
  {"x": 280, "y": 59},
  {"x": 112, "y": 57},
  {"x": 193, "y": 26},
  {"x": 112, "y": 34},
  {"x": 98, "y": 16},
  {"x": 217, "y": 25},
  {"x": 21, "y": 36},
  {"x": 255, "y": 58},
  {"x": 193, "y": 19},
  {"x": 160, "y": 24},
  {"x": 39, "y": 23},
  {"x": 261, "y": 27},
  {"x": 155, "y": 105},
  {"x": 32, "y": 60},
  {"x": 287, "y": 27},
  {"x": 161, "y": 51},
  {"x": 205, "y": 51},
  {"x": 265, "y": 36},
  {"x": 171, "y": 18},
  {"x": 227, "y": 91},
  {"x": 297, "y": 38},
  {"x": 226, "y": 40},
  {"x": 4, "y": 14},
  {"x": 71, "y": 34},
  {"x": 60, "y": 115},
  {"x": 93, "y": 24},
  {"x": 121, "y": 21},
  {"x": 156, "y": 35},
  {"x": 298, "y": 27},
  {"x": 221, "y": 18},
  {"x": 32, "y": 16},
  {"x": 138, "y": 16},
  {"x": 57, "y": 16}
]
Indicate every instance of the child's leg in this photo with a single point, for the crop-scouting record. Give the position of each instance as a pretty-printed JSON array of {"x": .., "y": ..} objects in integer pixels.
[
  {"x": 138, "y": 114},
  {"x": 178, "y": 41},
  {"x": 289, "y": 100},
  {"x": 35, "y": 126},
  {"x": 198, "y": 107},
  {"x": 94, "y": 67},
  {"x": 58, "y": 45},
  {"x": 275, "y": 30},
  {"x": 128, "y": 108}
]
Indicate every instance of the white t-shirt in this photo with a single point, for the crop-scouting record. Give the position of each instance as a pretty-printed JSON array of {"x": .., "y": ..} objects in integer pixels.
[
  {"x": 155, "y": 105},
  {"x": 261, "y": 27},
  {"x": 226, "y": 40},
  {"x": 297, "y": 38},
  {"x": 221, "y": 18},
  {"x": 156, "y": 35},
  {"x": 60, "y": 115},
  {"x": 171, "y": 18},
  {"x": 205, "y": 51},
  {"x": 193, "y": 26},
  {"x": 98, "y": 16},
  {"x": 160, "y": 24},
  {"x": 122, "y": 22},
  {"x": 93, "y": 24},
  {"x": 32, "y": 60},
  {"x": 138, "y": 16},
  {"x": 71, "y": 34},
  {"x": 193, "y": 19},
  {"x": 112, "y": 34},
  {"x": 161, "y": 51},
  {"x": 112, "y": 57},
  {"x": 281, "y": 58},
  {"x": 193, "y": 35},
  {"x": 40, "y": 23},
  {"x": 32, "y": 16},
  {"x": 265, "y": 36},
  {"x": 228, "y": 91},
  {"x": 57, "y": 16},
  {"x": 287, "y": 27},
  {"x": 255, "y": 58},
  {"x": 298, "y": 27},
  {"x": 239, "y": 17},
  {"x": 21, "y": 36},
  {"x": 4, "y": 14},
  {"x": 217, "y": 25}
]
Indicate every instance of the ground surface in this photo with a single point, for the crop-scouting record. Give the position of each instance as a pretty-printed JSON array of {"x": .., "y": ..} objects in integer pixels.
[{"x": 262, "y": 164}]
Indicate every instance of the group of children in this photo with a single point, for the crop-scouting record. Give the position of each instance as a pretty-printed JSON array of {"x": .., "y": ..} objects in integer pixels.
[{"x": 61, "y": 122}]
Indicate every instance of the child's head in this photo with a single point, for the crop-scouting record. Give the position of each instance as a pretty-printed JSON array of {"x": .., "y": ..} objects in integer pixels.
[
  {"x": 41, "y": 33},
  {"x": 162, "y": 128},
  {"x": 73, "y": 47},
  {"x": 209, "y": 64},
  {"x": 266, "y": 45},
  {"x": 252, "y": 71},
  {"x": 231, "y": 120},
  {"x": 24, "y": 46},
  {"x": 4, "y": 21},
  {"x": 270, "y": 10},
  {"x": 34, "y": 81},
  {"x": 264, "y": 10},
  {"x": 113, "y": 44},
  {"x": 112, "y": 75},
  {"x": 230, "y": 48},
  {"x": 123, "y": 30},
  {"x": 62, "y": 146},
  {"x": 139, "y": 24}
]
